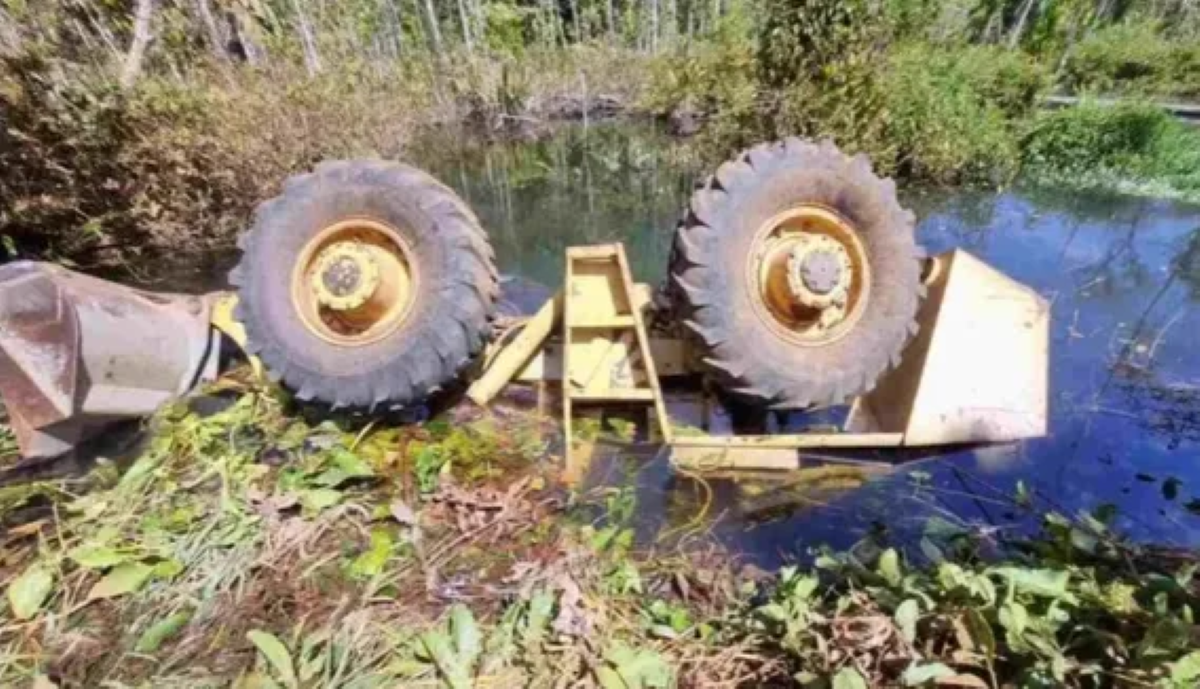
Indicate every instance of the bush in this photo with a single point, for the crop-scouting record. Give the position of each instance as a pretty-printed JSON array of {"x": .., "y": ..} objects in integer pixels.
[
  {"x": 1133, "y": 58},
  {"x": 953, "y": 115},
  {"x": 1135, "y": 146},
  {"x": 716, "y": 79}
]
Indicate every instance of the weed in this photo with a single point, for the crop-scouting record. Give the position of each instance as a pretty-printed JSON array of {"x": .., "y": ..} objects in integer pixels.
[
  {"x": 1132, "y": 146},
  {"x": 202, "y": 566}
]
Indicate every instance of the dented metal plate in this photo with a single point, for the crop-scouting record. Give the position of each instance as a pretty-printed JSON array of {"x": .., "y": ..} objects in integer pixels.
[
  {"x": 976, "y": 372},
  {"x": 77, "y": 352}
]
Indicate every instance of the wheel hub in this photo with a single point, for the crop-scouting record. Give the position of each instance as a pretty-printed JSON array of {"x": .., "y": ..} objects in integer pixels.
[
  {"x": 354, "y": 282},
  {"x": 811, "y": 274},
  {"x": 819, "y": 271},
  {"x": 346, "y": 276}
]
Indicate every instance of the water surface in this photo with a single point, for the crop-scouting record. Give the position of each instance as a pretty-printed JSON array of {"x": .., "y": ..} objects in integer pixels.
[{"x": 1122, "y": 275}]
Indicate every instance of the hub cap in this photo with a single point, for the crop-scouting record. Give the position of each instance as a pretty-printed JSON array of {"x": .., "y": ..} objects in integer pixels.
[
  {"x": 355, "y": 282},
  {"x": 810, "y": 275}
]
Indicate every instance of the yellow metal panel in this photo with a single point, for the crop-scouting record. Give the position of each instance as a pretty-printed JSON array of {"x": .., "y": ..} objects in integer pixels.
[
  {"x": 793, "y": 441},
  {"x": 515, "y": 355},
  {"x": 222, "y": 319},
  {"x": 977, "y": 371}
]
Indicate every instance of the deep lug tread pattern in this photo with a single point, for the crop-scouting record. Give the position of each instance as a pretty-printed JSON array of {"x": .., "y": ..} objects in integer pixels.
[
  {"x": 705, "y": 273},
  {"x": 450, "y": 323}
]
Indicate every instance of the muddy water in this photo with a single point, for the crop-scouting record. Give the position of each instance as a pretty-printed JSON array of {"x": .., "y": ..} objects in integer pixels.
[{"x": 1123, "y": 276}]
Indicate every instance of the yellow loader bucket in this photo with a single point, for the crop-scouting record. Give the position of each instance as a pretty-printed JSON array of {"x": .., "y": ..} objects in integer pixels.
[{"x": 977, "y": 370}]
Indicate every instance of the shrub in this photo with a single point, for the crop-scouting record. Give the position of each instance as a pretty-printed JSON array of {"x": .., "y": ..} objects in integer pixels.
[
  {"x": 952, "y": 115},
  {"x": 1133, "y": 58},
  {"x": 1129, "y": 145}
]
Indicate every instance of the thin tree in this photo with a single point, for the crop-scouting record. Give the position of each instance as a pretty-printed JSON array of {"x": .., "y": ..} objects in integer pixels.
[
  {"x": 466, "y": 26},
  {"x": 216, "y": 43},
  {"x": 1014, "y": 38},
  {"x": 143, "y": 15},
  {"x": 435, "y": 34},
  {"x": 312, "y": 59}
]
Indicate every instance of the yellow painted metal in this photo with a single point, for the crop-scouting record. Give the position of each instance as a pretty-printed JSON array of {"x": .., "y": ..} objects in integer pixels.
[
  {"x": 975, "y": 373},
  {"x": 977, "y": 370},
  {"x": 516, "y": 354},
  {"x": 606, "y": 351},
  {"x": 672, "y": 357},
  {"x": 350, "y": 256},
  {"x": 790, "y": 308},
  {"x": 222, "y": 318},
  {"x": 388, "y": 276}
]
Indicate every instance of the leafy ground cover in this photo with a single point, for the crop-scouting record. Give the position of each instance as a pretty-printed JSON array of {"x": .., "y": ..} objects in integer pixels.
[{"x": 250, "y": 545}]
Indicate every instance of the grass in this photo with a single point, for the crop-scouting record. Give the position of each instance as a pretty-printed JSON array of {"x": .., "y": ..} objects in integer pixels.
[{"x": 253, "y": 548}]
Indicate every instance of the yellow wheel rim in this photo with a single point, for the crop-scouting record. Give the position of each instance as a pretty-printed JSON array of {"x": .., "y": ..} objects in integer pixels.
[
  {"x": 355, "y": 282},
  {"x": 809, "y": 275}
]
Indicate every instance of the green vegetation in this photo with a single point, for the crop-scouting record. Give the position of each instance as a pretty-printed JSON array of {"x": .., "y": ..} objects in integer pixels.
[
  {"x": 126, "y": 136},
  {"x": 1132, "y": 146},
  {"x": 248, "y": 548}
]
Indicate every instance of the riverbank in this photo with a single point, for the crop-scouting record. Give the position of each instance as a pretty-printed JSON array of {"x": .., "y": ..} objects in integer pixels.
[{"x": 245, "y": 545}]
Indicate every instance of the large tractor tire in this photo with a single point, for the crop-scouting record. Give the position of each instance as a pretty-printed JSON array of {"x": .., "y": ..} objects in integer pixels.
[
  {"x": 798, "y": 274},
  {"x": 365, "y": 285}
]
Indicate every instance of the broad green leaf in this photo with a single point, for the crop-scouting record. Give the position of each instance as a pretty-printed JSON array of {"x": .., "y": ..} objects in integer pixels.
[
  {"x": 468, "y": 643},
  {"x": 317, "y": 499},
  {"x": 372, "y": 561},
  {"x": 541, "y": 605},
  {"x": 608, "y": 678},
  {"x": 906, "y": 619},
  {"x": 152, "y": 639},
  {"x": 439, "y": 649},
  {"x": 1049, "y": 583},
  {"x": 1014, "y": 618},
  {"x": 639, "y": 667},
  {"x": 276, "y": 654},
  {"x": 254, "y": 680},
  {"x": 981, "y": 632},
  {"x": 121, "y": 580},
  {"x": 922, "y": 673},
  {"x": 352, "y": 465},
  {"x": 97, "y": 557},
  {"x": 168, "y": 569},
  {"x": 1185, "y": 672},
  {"x": 849, "y": 678},
  {"x": 889, "y": 567},
  {"x": 28, "y": 592}
]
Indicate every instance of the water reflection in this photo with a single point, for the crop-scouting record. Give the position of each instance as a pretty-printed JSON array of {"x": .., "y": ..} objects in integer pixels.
[
  {"x": 1123, "y": 276},
  {"x": 612, "y": 182}
]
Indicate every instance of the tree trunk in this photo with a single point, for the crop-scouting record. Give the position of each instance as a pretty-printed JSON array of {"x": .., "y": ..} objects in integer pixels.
[
  {"x": 575, "y": 20},
  {"x": 435, "y": 34},
  {"x": 395, "y": 26},
  {"x": 1014, "y": 38},
  {"x": 312, "y": 59},
  {"x": 242, "y": 43},
  {"x": 466, "y": 26},
  {"x": 216, "y": 42},
  {"x": 143, "y": 14},
  {"x": 653, "y": 26},
  {"x": 608, "y": 15}
]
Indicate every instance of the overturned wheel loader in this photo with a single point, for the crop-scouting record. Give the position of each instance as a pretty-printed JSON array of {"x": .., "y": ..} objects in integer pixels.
[{"x": 795, "y": 282}]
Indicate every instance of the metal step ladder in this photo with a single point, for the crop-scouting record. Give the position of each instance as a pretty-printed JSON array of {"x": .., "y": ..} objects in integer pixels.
[{"x": 606, "y": 351}]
